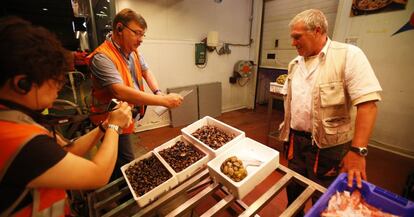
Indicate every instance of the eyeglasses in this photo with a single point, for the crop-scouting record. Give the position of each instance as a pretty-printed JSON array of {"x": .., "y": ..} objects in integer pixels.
[{"x": 137, "y": 33}]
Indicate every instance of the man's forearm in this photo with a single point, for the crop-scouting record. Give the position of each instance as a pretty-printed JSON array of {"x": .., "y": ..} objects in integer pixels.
[
  {"x": 364, "y": 123},
  {"x": 134, "y": 96},
  {"x": 151, "y": 80}
]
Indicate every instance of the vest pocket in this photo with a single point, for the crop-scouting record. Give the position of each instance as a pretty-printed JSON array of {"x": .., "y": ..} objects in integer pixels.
[
  {"x": 335, "y": 125},
  {"x": 332, "y": 94}
]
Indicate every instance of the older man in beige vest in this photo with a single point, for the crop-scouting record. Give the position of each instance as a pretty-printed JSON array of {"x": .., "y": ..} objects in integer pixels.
[{"x": 330, "y": 110}]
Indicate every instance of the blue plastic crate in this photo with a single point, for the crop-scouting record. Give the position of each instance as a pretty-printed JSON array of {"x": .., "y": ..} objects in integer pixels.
[{"x": 375, "y": 196}]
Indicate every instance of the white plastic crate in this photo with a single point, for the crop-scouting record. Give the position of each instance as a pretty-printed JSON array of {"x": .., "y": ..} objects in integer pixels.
[
  {"x": 275, "y": 87},
  {"x": 245, "y": 150},
  {"x": 193, "y": 168},
  {"x": 155, "y": 192},
  {"x": 207, "y": 120}
]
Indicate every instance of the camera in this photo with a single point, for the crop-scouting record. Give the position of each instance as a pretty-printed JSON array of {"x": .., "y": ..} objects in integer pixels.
[
  {"x": 112, "y": 104},
  {"x": 115, "y": 102}
]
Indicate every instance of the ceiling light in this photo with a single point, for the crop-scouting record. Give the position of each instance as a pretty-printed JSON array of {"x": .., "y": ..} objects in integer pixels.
[{"x": 45, "y": 9}]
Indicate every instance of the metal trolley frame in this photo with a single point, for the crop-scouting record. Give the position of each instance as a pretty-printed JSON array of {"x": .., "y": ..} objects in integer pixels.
[{"x": 106, "y": 201}]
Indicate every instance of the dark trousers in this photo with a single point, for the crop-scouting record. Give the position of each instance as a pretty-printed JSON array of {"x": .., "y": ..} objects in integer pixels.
[
  {"x": 319, "y": 165},
  {"x": 125, "y": 155}
]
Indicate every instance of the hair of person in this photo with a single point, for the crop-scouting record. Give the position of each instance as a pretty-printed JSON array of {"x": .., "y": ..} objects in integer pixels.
[
  {"x": 127, "y": 15},
  {"x": 32, "y": 51},
  {"x": 312, "y": 19}
]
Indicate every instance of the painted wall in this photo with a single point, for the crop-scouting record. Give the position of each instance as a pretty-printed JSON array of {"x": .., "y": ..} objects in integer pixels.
[
  {"x": 393, "y": 62},
  {"x": 174, "y": 26},
  {"x": 276, "y": 18}
]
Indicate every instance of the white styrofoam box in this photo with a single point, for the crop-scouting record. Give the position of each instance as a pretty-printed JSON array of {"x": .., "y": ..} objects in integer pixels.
[
  {"x": 275, "y": 87},
  {"x": 207, "y": 120},
  {"x": 245, "y": 150},
  {"x": 193, "y": 168},
  {"x": 155, "y": 192}
]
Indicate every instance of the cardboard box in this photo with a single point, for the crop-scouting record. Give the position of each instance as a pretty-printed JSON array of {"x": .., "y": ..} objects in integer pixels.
[
  {"x": 207, "y": 120},
  {"x": 245, "y": 150},
  {"x": 373, "y": 195},
  {"x": 193, "y": 168},
  {"x": 155, "y": 192}
]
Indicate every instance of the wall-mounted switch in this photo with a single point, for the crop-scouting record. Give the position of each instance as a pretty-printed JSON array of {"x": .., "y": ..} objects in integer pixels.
[{"x": 271, "y": 56}]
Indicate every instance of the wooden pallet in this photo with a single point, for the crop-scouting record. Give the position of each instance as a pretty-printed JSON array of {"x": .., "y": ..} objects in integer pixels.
[{"x": 104, "y": 202}]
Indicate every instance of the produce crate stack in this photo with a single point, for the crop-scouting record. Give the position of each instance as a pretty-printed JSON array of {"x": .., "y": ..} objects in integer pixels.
[{"x": 205, "y": 142}]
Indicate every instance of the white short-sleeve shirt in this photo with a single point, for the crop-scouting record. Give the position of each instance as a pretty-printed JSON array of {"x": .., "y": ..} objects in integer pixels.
[{"x": 360, "y": 80}]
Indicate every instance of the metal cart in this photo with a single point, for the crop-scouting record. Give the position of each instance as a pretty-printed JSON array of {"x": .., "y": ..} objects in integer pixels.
[{"x": 115, "y": 198}]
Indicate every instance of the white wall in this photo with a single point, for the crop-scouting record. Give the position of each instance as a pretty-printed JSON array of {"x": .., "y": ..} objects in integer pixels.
[
  {"x": 393, "y": 62},
  {"x": 277, "y": 15},
  {"x": 174, "y": 26}
]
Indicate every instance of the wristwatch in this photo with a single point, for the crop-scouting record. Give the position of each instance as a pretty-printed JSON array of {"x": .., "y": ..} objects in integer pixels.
[
  {"x": 115, "y": 127},
  {"x": 156, "y": 91},
  {"x": 363, "y": 151},
  {"x": 102, "y": 128}
]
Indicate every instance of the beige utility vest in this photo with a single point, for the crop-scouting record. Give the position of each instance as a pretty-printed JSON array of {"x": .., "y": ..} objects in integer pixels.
[{"x": 332, "y": 111}]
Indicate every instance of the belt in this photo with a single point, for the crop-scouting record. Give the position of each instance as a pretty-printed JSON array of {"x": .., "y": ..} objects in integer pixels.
[{"x": 301, "y": 133}]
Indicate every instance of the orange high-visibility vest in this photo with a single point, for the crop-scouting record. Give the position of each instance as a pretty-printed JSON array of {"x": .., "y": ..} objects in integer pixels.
[
  {"x": 16, "y": 129},
  {"x": 103, "y": 95}
]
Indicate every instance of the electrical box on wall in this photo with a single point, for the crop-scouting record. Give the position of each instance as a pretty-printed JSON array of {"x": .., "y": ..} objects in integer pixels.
[{"x": 200, "y": 53}]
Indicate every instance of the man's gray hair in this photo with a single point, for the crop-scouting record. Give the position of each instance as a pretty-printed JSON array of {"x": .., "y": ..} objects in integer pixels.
[{"x": 312, "y": 18}]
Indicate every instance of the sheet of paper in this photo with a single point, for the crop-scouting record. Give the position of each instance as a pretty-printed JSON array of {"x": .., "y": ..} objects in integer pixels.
[
  {"x": 184, "y": 93},
  {"x": 160, "y": 110}
]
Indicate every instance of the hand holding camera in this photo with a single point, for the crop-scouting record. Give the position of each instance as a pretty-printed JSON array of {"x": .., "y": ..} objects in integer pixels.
[{"x": 120, "y": 114}]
